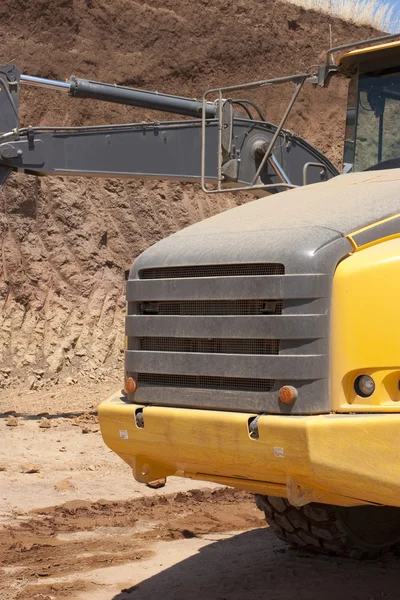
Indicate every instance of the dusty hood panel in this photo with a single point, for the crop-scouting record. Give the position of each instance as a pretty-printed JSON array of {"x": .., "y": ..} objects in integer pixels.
[{"x": 293, "y": 225}]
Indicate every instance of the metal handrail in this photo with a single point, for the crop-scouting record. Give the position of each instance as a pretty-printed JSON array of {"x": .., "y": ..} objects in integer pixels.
[{"x": 297, "y": 79}]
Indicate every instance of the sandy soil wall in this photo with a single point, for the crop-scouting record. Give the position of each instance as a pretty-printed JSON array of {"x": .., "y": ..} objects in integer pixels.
[{"x": 66, "y": 243}]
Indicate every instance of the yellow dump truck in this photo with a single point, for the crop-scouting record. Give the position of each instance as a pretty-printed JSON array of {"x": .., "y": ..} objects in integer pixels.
[{"x": 262, "y": 344}]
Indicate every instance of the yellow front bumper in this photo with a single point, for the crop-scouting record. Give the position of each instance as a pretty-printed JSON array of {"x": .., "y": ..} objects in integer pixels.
[{"x": 334, "y": 459}]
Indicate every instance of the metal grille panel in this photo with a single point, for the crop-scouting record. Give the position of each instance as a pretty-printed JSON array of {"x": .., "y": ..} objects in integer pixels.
[
  {"x": 240, "y": 270},
  {"x": 205, "y": 382},
  {"x": 213, "y": 346},
  {"x": 212, "y": 307}
]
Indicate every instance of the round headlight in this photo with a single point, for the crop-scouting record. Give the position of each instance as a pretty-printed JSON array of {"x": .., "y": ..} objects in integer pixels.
[{"x": 364, "y": 386}]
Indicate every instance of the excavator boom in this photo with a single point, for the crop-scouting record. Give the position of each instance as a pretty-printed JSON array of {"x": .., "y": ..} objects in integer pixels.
[{"x": 215, "y": 134}]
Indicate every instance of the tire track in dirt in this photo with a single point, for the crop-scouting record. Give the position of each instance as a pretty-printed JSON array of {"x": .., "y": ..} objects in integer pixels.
[
  {"x": 220, "y": 550},
  {"x": 80, "y": 536}
]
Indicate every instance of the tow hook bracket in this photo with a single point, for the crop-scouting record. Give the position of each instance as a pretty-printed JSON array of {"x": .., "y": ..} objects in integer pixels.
[
  {"x": 253, "y": 427},
  {"x": 139, "y": 418}
]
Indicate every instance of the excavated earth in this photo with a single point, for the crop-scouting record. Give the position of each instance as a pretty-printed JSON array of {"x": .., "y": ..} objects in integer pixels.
[
  {"x": 74, "y": 524},
  {"x": 66, "y": 243}
]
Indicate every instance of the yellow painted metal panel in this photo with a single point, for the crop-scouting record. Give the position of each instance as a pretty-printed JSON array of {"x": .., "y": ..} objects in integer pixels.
[
  {"x": 340, "y": 459},
  {"x": 375, "y": 226},
  {"x": 365, "y": 329},
  {"x": 368, "y": 50}
]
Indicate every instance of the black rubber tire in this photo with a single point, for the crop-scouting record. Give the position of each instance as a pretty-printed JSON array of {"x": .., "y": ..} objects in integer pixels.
[{"x": 353, "y": 532}]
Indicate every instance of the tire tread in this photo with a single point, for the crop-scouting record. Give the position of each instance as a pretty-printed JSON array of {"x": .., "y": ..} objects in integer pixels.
[{"x": 314, "y": 527}]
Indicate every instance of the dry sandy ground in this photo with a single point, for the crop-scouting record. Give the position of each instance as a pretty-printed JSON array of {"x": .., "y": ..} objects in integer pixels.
[{"x": 80, "y": 528}]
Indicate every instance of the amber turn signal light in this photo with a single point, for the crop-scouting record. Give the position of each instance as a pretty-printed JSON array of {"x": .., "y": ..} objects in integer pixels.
[
  {"x": 287, "y": 394},
  {"x": 130, "y": 385}
]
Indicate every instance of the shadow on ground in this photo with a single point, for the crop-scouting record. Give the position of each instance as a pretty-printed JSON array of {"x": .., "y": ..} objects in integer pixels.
[{"x": 255, "y": 565}]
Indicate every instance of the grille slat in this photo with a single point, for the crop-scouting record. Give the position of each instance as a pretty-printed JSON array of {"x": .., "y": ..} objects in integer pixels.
[
  {"x": 206, "y": 382},
  {"x": 238, "y": 270},
  {"x": 212, "y": 307},
  {"x": 210, "y": 346}
]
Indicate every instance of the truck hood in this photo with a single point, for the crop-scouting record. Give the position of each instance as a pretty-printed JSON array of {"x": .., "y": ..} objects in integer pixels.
[{"x": 290, "y": 227}]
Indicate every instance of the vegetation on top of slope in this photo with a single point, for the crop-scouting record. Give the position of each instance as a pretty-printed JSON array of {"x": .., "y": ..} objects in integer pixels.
[{"x": 377, "y": 14}]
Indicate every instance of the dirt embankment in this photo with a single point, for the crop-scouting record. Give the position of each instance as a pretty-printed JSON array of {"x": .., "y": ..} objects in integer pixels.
[{"x": 66, "y": 243}]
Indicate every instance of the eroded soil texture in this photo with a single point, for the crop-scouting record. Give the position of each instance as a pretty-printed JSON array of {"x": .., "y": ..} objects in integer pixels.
[{"x": 66, "y": 244}]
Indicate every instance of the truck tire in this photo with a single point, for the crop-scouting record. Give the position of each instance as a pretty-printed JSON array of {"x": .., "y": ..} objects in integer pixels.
[{"x": 353, "y": 532}]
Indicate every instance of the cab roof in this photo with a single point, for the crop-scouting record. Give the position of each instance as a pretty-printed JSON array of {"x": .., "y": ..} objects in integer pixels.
[{"x": 372, "y": 58}]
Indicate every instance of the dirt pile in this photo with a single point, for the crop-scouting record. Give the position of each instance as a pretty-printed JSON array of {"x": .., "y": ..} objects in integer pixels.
[{"x": 66, "y": 243}]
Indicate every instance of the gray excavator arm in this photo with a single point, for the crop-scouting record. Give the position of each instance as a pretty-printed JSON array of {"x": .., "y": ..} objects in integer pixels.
[{"x": 216, "y": 144}]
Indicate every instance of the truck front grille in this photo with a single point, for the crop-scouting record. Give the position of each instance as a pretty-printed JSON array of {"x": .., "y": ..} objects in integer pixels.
[
  {"x": 209, "y": 383},
  {"x": 239, "y": 270},
  {"x": 218, "y": 346},
  {"x": 225, "y": 336},
  {"x": 212, "y": 307}
]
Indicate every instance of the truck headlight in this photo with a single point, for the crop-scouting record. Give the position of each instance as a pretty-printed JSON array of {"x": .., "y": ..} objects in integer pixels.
[{"x": 364, "y": 386}]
